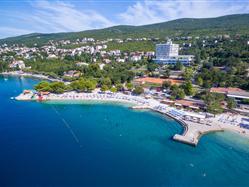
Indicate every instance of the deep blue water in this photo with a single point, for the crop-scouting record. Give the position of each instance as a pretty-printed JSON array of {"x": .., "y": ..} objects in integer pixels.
[{"x": 45, "y": 144}]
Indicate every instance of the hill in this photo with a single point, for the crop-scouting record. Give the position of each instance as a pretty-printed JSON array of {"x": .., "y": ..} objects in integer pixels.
[{"x": 230, "y": 24}]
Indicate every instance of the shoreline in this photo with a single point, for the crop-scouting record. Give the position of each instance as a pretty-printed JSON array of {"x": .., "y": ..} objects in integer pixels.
[
  {"x": 131, "y": 105},
  {"x": 192, "y": 129},
  {"x": 30, "y": 75},
  {"x": 91, "y": 102}
]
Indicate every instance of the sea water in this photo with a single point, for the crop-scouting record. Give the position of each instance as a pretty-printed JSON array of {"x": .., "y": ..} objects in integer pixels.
[{"x": 106, "y": 144}]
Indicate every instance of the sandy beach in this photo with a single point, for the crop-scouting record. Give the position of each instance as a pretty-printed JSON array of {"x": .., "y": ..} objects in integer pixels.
[{"x": 195, "y": 124}]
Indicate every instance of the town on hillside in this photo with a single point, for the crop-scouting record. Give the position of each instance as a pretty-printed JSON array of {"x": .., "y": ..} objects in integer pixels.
[{"x": 197, "y": 73}]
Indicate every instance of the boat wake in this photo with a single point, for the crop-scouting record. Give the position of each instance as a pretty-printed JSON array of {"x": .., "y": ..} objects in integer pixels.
[{"x": 67, "y": 125}]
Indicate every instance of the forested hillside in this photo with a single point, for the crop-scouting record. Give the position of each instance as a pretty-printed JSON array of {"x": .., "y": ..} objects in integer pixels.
[{"x": 231, "y": 24}]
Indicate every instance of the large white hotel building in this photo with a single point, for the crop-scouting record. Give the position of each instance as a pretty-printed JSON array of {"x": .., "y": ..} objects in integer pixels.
[{"x": 168, "y": 54}]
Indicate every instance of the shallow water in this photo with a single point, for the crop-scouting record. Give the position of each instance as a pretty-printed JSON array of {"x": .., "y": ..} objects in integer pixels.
[{"x": 94, "y": 144}]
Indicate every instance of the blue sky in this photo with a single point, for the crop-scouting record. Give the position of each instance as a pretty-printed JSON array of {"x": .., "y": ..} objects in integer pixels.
[{"x": 47, "y": 16}]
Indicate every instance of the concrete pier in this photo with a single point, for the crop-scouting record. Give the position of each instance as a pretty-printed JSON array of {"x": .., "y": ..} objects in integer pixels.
[
  {"x": 185, "y": 139},
  {"x": 194, "y": 131}
]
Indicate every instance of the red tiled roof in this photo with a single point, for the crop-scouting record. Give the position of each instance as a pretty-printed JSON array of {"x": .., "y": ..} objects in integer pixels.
[
  {"x": 44, "y": 93},
  {"x": 187, "y": 103},
  {"x": 157, "y": 80},
  {"x": 26, "y": 91},
  {"x": 226, "y": 90}
]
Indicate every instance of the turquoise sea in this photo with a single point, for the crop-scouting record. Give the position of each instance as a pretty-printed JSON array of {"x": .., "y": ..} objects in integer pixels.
[{"x": 94, "y": 144}]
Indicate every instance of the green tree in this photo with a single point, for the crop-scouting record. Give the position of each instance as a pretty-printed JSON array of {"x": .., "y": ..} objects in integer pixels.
[
  {"x": 213, "y": 100},
  {"x": 197, "y": 58},
  {"x": 129, "y": 86},
  {"x": 188, "y": 88},
  {"x": 203, "y": 54},
  {"x": 75, "y": 85},
  {"x": 245, "y": 101},
  {"x": 214, "y": 108},
  {"x": 180, "y": 94},
  {"x": 177, "y": 92},
  {"x": 43, "y": 86},
  {"x": 113, "y": 89},
  {"x": 119, "y": 87},
  {"x": 104, "y": 88},
  {"x": 84, "y": 85},
  {"x": 166, "y": 84},
  {"x": 81, "y": 86},
  {"x": 152, "y": 66},
  {"x": 178, "y": 66},
  {"x": 68, "y": 88},
  {"x": 188, "y": 73},
  {"x": 166, "y": 73},
  {"x": 58, "y": 87},
  {"x": 199, "y": 81},
  {"x": 106, "y": 81},
  {"x": 231, "y": 103},
  {"x": 138, "y": 90},
  {"x": 90, "y": 85},
  {"x": 54, "y": 87}
]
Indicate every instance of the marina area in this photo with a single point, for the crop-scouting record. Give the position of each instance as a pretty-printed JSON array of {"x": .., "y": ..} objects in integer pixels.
[{"x": 195, "y": 124}]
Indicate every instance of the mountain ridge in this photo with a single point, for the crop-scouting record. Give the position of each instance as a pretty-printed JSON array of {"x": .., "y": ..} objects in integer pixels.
[{"x": 229, "y": 24}]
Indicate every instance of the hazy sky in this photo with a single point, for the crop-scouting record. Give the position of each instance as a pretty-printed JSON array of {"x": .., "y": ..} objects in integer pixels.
[{"x": 45, "y": 16}]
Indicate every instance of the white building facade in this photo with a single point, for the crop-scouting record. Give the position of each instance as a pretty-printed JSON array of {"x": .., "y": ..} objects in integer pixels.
[
  {"x": 169, "y": 54},
  {"x": 167, "y": 50}
]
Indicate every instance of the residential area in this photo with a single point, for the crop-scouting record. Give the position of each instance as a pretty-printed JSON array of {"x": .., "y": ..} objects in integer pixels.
[{"x": 187, "y": 72}]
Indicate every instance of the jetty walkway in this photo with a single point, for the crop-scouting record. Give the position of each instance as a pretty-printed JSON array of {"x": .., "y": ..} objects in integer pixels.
[{"x": 192, "y": 130}]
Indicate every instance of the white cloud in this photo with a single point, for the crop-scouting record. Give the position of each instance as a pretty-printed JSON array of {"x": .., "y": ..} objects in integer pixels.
[
  {"x": 48, "y": 17},
  {"x": 140, "y": 13},
  {"x": 60, "y": 16},
  {"x": 147, "y": 12}
]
